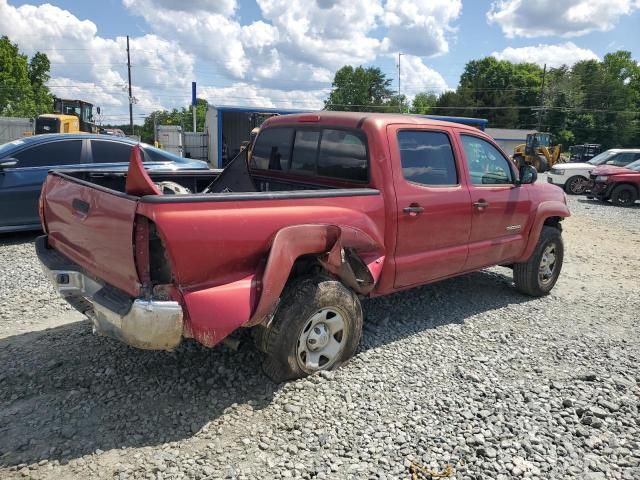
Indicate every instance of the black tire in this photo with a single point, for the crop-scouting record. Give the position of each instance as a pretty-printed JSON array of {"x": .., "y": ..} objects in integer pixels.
[
  {"x": 624, "y": 196},
  {"x": 303, "y": 300},
  {"x": 542, "y": 165},
  {"x": 527, "y": 275},
  {"x": 576, "y": 185}
]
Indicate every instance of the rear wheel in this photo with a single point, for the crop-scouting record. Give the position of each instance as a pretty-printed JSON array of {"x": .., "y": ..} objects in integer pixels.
[
  {"x": 538, "y": 275},
  {"x": 577, "y": 185},
  {"x": 317, "y": 327},
  {"x": 624, "y": 196}
]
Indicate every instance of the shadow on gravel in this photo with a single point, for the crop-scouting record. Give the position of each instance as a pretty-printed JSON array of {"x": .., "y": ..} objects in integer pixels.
[
  {"x": 393, "y": 317},
  {"x": 18, "y": 238},
  {"x": 65, "y": 393},
  {"x": 588, "y": 201}
]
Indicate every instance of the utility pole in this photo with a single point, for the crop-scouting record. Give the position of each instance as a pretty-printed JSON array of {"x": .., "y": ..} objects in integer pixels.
[
  {"x": 544, "y": 73},
  {"x": 155, "y": 129},
  {"x": 130, "y": 94},
  {"x": 399, "y": 98}
]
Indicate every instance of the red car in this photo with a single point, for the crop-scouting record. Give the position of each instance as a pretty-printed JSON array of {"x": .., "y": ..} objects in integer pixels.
[
  {"x": 330, "y": 209},
  {"x": 621, "y": 185}
]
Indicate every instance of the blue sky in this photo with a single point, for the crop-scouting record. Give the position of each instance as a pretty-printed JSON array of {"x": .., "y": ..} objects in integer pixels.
[{"x": 284, "y": 52}]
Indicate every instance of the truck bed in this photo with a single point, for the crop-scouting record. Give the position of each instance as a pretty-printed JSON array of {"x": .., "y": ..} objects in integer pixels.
[{"x": 194, "y": 180}]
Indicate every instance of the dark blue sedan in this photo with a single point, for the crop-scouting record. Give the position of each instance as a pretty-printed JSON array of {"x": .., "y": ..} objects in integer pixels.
[{"x": 24, "y": 165}]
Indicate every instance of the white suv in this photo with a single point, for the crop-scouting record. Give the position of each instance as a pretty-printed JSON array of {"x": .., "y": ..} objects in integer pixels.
[{"x": 574, "y": 177}]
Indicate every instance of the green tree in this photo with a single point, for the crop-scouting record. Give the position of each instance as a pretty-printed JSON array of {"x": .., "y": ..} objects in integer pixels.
[
  {"x": 423, "y": 103},
  {"x": 22, "y": 82},
  {"x": 39, "y": 67},
  {"x": 182, "y": 117},
  {"x": 359, "y": 89}
]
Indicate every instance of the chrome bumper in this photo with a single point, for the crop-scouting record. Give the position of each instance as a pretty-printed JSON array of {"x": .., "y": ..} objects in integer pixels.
[{"x": 146, "y": 324}]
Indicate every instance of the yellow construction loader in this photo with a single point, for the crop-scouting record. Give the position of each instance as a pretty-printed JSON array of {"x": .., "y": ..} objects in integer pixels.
[
  {"x": 539, "y": 151},
  {"x": 70, "y": 116}
]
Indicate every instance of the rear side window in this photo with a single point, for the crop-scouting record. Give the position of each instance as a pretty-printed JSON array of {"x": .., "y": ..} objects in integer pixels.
[
  {"x": 272, "y": 150},
  {"x": 110, "y": 152},
  {"x": 339, "y": 154},
  {"x": 67, "y": 152},
  {"x": 427, "y": 158},
  {"x": 343, "y": 155}
]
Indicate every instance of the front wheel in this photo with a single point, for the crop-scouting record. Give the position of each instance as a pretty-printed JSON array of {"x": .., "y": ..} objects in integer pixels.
[
  {"x": 538, "y": 275},
  {"x": 624, "y": 196},
  {"x": 317, "y": 326},
  {"x": 577, "y": 185}
]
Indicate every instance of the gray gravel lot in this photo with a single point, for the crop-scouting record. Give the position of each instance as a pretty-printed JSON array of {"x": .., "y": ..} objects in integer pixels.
[{"x": 466, "y": 373}]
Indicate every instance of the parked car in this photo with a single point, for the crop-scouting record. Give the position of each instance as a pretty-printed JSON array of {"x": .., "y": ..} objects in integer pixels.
[
  {"x": 24, "y": 164},
  {"x": 621, "y": 185},
  {"x": 332, "y": 207},
  {"x": 574, "y": 177},
  {"x": 584, "y": 153}
]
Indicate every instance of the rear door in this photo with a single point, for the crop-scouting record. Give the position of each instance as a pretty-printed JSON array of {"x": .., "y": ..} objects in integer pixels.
[
  {"x": 501, "y": 209},
  {"x": 433, "y": 205},
  {"x": 20, "y": 185},
  {"x": 94, "y": 228}
]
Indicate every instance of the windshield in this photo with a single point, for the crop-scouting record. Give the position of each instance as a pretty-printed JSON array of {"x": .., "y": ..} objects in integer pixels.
[
  {"x": 635, "y": 166},
  {"x": 602, "y": 158}
]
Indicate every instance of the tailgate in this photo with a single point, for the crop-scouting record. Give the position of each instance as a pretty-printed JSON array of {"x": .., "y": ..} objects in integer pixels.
[{"x": 93, "y": 226}]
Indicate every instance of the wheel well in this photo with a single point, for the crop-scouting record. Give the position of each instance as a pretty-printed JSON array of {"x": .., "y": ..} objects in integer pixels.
[
  {"x": 554, "y": 222},
  {"x": 632, "y": 185}
]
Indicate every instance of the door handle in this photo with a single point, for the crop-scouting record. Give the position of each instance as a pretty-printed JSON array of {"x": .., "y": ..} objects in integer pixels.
[
  {"x": 481, "y": 203},
  {"x": 413, "y": 209}
]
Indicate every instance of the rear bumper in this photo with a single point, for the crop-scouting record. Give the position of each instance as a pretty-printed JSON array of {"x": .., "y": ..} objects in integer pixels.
[{"x": 147, "y": 324}]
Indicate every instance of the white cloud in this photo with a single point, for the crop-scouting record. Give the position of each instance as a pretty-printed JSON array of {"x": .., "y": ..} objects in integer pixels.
[
  {"x": 223, "y": 7},
  {"x": 419, "y": 27},
  {"x": 249, "y": 95},
  {"x": 286, "y": 58},
  {"x": 566, "y": 18},
  {"x": 553, "y": 55},
  {"x": 416, "y": 77},
  {"x": 87, "y": 66}
]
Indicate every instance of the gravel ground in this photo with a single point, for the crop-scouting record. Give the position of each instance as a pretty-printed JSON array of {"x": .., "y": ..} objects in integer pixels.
[{"x": 466, "y": 373}]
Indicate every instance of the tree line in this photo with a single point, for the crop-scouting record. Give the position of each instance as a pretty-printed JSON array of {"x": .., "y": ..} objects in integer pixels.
[
  {"x": 23, "y": 90},
  {"x": 591, "y": 102}
]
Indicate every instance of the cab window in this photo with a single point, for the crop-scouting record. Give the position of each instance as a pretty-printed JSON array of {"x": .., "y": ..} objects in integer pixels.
[
  {"x": 272, "y": 149},
  {"x": 427, "y": 158},
  {"x": 487, "y": 166},
  {"x": 328, "y": 152}
]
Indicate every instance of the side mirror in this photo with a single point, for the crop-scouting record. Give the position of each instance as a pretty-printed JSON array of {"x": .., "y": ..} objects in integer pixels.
[
  {"x": 528, "y": 175},
  {"x": 8, "y": 163}
]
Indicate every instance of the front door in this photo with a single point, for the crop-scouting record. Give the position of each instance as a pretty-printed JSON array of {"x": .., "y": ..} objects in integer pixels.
[
  {"x": 433, "y": 206},
  {"x": 501, "y": 209}
]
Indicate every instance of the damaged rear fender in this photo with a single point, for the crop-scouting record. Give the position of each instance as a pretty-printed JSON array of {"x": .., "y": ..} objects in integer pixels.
[{"x": 346, "y": 252}]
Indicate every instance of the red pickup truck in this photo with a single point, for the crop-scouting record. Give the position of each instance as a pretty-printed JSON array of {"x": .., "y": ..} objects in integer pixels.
[{"x": 329, "y": 209}]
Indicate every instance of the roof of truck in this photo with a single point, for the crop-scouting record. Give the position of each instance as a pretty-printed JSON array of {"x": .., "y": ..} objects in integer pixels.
[{"x": 357, "y": 119}]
